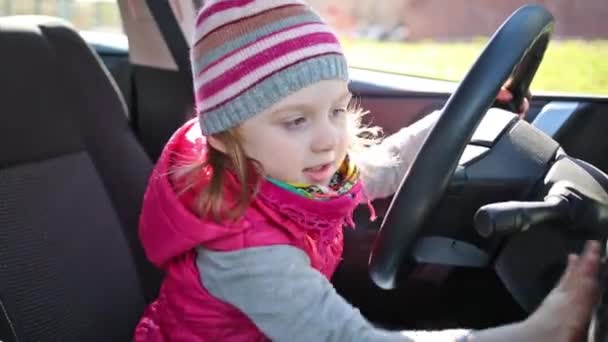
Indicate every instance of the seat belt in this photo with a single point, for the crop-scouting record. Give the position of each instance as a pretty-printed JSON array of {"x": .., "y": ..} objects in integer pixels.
[
  {"x": 172, "y": 34},
  {"x": 163, "y": 97}
]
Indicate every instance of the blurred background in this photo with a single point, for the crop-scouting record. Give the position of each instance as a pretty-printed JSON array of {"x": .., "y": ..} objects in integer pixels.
[
  {"x": 427, "y": 38},
  {"x": 98, "y": 15}
]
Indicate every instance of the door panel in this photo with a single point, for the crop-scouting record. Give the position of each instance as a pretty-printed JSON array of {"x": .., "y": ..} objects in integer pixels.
[{"x": 393, "y": 113}]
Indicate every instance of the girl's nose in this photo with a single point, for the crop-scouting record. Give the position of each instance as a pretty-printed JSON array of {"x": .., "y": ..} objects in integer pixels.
[{"x": 325, "y": 138}]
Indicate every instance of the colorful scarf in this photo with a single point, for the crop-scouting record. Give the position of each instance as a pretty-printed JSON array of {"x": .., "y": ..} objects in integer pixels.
[{"x": 341, "y": 182}]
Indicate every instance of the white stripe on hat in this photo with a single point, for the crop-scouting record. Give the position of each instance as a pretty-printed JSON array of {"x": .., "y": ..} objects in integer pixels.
[
  {"x": 256, "y": 48},
  {"x": 218, "y": 19},
  {"x": 256, "y": 75}
]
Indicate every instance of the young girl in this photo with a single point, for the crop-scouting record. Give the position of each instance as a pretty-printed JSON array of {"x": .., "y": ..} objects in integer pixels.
[{"x": 245, "y": 208}]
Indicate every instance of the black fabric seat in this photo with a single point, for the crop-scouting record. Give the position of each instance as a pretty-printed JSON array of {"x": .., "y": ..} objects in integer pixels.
[{"x": 72, "y": 177}]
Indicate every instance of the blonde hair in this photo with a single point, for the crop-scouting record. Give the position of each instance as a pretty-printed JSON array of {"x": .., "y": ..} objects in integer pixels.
[{"x": 212, "y": 201}]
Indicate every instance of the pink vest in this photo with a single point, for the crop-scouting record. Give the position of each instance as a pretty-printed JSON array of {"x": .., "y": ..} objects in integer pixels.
[{"x": 170, "y": 231}]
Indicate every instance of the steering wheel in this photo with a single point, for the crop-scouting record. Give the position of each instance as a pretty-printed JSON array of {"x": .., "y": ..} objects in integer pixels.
[{"x": 515, "y": 50}]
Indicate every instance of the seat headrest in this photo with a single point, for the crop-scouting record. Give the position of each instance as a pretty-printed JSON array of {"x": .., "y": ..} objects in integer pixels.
[{"x": 52, "y": 83}]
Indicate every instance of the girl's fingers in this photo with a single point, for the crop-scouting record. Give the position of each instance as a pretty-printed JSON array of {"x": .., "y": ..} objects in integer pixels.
[
  {"x": 583, "y": 266},
  {"x": 504, "y": 95},
  {"x": 590, "y": 259}
]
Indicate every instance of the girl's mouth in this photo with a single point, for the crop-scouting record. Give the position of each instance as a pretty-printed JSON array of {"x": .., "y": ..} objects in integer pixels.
[{"x": 320, "y": 173}]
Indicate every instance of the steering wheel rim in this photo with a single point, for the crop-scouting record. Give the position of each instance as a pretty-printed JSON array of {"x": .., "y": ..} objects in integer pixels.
[
  {"x": 523, "y": 75},
  {"x": 514, "y": 50}
]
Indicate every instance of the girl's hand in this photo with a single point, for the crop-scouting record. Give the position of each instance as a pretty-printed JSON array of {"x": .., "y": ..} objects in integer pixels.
[
  {"x": 566, "y": 312},
  {"x": 504, "y": 95}
]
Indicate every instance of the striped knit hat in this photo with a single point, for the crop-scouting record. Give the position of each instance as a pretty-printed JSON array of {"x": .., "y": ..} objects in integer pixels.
[{"x": 249, "y": 54}]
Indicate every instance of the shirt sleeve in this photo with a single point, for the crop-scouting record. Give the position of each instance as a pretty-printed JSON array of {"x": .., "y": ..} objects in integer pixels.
[
  {"x": 381, "y": 178},
  {"x": 285, "y": 297}
]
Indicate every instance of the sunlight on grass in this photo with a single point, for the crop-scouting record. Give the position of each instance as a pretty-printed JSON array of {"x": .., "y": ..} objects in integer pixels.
[{"x": 569, "y": 66}]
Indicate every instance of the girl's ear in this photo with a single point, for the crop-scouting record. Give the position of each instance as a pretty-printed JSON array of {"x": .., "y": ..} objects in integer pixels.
[{"x": 217, "y": 144}]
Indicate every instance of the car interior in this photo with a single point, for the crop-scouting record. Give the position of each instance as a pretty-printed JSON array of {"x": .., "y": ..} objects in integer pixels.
[{"x": 84, "y": 119}]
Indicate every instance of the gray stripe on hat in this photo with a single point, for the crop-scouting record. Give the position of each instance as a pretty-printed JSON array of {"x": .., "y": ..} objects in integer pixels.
[
  {"x": 271, "y": 90},
  {"x": 205, "y": 60}
]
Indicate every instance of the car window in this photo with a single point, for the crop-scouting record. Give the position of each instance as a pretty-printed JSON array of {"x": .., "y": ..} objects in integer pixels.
[
  {"x": 426, "y": 38},
  {"x": 441, "y": 39},
  {"x": 86, "y": 15}
]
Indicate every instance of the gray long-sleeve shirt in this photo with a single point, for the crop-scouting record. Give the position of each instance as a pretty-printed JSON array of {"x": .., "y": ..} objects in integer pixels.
[
  {"x": 288, "y": 300},
  {"x": 285, "y": 297},
  {"x": 381, "y": 179}
]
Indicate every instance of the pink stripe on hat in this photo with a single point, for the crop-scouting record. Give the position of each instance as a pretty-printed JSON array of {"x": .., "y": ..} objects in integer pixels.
[
  {"x": 231, "y": 14},
  {"x": 240, "y": 55},
  {"x": 235, "y": 97},
  {"x": 263, "y": 58},
  {"x": 221, "y": 6},
  {"x": 232, "y": 88}
]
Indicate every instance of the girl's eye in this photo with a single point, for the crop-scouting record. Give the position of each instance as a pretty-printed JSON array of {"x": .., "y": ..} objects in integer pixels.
[
  {"x": 338, "y": 111},
  {"x": 294, "y": 123}
]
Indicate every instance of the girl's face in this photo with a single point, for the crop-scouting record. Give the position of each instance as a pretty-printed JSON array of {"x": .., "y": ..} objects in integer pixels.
[{"x": 304, "y": 137}]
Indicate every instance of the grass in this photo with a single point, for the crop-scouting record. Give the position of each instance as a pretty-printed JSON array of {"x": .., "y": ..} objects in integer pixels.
[{"x": 571, "y": 66}]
